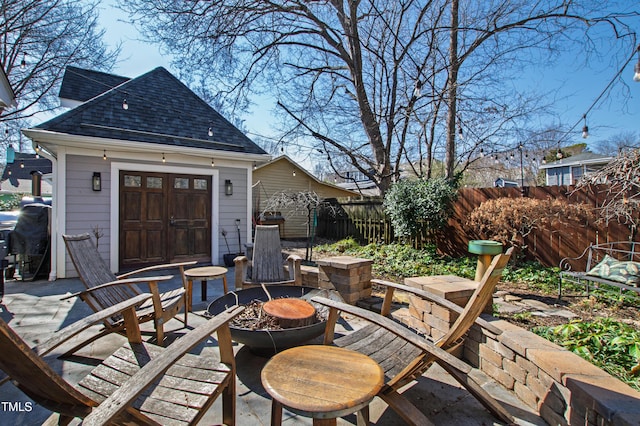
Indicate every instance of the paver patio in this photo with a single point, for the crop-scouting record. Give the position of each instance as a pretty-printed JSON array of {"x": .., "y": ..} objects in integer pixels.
[{"x": 34, "y": 310}]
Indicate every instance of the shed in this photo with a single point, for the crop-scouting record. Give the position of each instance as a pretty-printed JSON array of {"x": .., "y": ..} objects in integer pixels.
[
  {"x": 143, "y": 164},
  {"x": 284, "y": 174}
]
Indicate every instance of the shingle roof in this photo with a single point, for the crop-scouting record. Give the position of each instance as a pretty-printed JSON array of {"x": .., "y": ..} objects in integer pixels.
[
  {"x": 162, "y": 110},
  {"x": 22, "y": 167},
  {"x": 81, "y": 85}
]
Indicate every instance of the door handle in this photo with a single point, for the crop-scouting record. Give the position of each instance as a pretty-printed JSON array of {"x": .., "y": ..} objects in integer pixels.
[{"x": 172, "y": 221}]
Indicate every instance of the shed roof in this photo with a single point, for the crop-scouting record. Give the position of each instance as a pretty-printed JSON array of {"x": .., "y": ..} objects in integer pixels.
[{"x": 161, "y": 110}]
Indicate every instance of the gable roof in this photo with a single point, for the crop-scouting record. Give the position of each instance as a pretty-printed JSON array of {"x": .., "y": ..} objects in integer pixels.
[
  {"x": 81, "y": 85},
  {"x": 584, "y": 158},
  {"x": 161, "y": 110},
  {"x": 285, "y": 161},
  {"x": 22, "y": 167}
]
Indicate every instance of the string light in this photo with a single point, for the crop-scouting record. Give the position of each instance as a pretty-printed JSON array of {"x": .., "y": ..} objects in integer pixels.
[
  {"x": 210, "y": 132},
  {"x": 213, "y": 163},
  {"x": 585, "y": 128},
  {"x": 163, "y": 159},
  {"x": 294, "y": 173},
  {"x": 125, "y": 104},
  {"x": 104, "y": 155},
  {"x": 22, "y": 164},
  {"x": 23, "y": 62}
]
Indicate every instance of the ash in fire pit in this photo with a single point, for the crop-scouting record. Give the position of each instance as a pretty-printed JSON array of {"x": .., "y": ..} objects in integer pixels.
[
  {"x": 264, "y": 335},
  {"x": 256, "y": 317}
]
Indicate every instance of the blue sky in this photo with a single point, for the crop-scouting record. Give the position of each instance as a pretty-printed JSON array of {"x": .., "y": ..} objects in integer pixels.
[{"x": 575, "y": 85}]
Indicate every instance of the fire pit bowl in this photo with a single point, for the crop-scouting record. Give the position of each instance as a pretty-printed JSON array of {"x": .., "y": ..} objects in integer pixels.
[{"x": 269, "y": 342}]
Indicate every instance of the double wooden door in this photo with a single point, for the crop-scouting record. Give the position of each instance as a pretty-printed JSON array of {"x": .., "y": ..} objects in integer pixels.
[{"x": 164, "y": 217}]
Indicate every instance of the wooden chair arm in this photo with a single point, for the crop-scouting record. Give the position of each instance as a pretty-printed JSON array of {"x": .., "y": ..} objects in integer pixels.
[
  {"x": 434, "y": 299},
  {"x": 147, "y": 375},
  {"x": 294, "y": 265},
  {"x": 397, "y": 329},
  {"x": 180, "y": 265},
  {"x": 120, "y": 282},
  {"x": 462, "y": 372},
  {"x": 242, "y": 265},
  {"x": 70, "y": 331}
]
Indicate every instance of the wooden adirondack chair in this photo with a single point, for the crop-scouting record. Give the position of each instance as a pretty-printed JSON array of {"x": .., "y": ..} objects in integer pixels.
[
  {"x": 267, "y": 265},
  {"x": 140, "y": 383},
  {"x": 104, "y": 289},
  {"x": 405, "y": 355}
]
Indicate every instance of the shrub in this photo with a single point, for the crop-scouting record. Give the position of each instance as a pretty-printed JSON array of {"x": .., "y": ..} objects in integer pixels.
[
  {"x": 413, "y": 205},
  {"x": 510, "y": 220}
]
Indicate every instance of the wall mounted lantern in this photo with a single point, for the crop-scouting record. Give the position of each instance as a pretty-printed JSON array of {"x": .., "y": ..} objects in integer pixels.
[
  {"x": 228, "y": 187},
  {"x": 96, "y": 181}
]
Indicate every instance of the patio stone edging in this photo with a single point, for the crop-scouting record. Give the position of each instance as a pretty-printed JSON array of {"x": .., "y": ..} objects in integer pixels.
[{"x": 563, "y": 387}]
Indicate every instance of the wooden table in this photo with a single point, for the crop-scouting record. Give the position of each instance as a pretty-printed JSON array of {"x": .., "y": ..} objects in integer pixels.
[
  {"x": 204, "y": 273},
  {"x": 322, "y": 382}
]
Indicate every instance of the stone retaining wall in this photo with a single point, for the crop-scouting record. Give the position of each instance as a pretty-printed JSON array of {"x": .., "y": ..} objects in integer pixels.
[{"x": 564, "y": 388}]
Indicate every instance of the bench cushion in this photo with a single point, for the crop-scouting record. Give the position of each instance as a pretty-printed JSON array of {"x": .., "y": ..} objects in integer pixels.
[{"x": 623, "y": 272}]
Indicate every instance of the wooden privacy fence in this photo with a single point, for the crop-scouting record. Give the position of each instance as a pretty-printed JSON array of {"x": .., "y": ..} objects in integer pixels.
[{"x": 365, "y": 220}]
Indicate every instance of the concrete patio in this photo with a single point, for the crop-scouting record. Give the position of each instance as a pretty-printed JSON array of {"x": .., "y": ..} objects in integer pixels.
[{"x": 34, "y": 310}]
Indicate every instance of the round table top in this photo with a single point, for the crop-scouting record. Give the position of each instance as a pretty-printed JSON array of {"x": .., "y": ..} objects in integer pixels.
[
  {"x": 206, "y": 272},
  {"x": 322, "y": 381}
]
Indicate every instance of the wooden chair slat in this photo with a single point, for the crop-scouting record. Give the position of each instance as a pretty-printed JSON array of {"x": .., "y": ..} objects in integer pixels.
[
  {"x": 267, "y": 265},
  {"x": 152, "y": 385},
  {"x": 94, "y": 272},
  {"x": 403, "y": 354}
]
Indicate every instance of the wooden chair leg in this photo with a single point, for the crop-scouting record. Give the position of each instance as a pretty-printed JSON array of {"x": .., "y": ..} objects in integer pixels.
[
  {"x": 276, "y": 413},
  {"x": 362, "y": 417},
  {"x": 229, "y": 403}
]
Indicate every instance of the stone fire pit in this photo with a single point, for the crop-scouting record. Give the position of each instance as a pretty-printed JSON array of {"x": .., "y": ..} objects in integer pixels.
[{"x": 271, "y": 341}]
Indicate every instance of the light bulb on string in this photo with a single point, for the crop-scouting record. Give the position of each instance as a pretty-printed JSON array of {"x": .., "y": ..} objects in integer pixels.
[
  {"x": 210, "y": 132},
  {"x": 213, "y": 163},
  {"x": 294, "y": 173},
  {"x": 559, "y": 154},
  {"x": 23, "y": 62},
  {"x": 585, "y": 128},
  {"x": 164, "y": 160},
  {"x": 125, "y": 104},
  {"x": 104, "y": 155}
]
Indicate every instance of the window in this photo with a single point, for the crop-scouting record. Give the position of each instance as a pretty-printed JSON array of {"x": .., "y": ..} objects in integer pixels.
[{"x": 132, "y": 181}]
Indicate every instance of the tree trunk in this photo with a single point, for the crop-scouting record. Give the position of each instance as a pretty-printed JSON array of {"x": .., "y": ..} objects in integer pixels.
[{"x": 452, "y": 89}]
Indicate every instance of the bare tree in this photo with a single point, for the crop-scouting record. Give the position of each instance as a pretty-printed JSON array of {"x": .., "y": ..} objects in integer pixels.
[
  {"x": 39, "y": 39},
  {"x": 621, "y": 179},
  {"x": 622, "y": 141},
  {"x": 377, "y": 83}
]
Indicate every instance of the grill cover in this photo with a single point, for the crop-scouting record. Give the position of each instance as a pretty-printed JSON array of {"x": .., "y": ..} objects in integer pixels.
[{"x": 31, "y": 234}]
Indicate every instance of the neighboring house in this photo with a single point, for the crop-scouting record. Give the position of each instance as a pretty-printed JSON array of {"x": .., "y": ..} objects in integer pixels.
[
  {"x": 283, "y": 174},
  {"x": 7, "y": 96},
  {"x": 17, "y": 176},
  {"x": 147, "y": 164},
  {"x": 568, "y": 171},
  {"x": 505, "y": 183}
]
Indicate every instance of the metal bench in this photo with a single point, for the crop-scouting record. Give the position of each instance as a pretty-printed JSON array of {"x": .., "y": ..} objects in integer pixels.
[{"x": 619, "y": 250}]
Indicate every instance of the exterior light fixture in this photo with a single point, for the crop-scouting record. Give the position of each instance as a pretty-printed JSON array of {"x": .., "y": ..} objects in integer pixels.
[
  {"x": 585, "y": 129},
  {"x": 228, "y": 187},
  {"x": 96, "y": 182}
]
